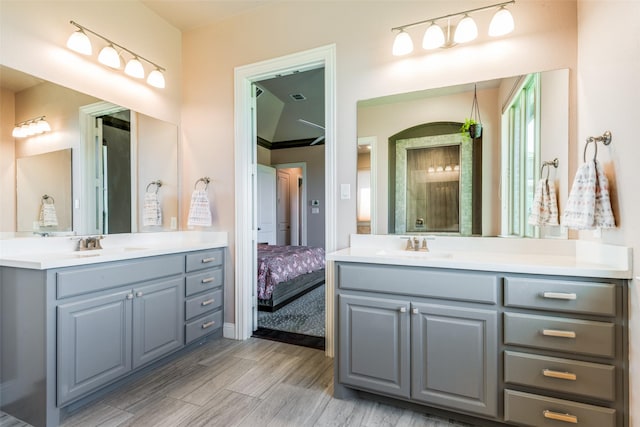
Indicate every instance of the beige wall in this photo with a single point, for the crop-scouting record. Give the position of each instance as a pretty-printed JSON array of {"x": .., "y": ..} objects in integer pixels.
[
  {"x": 608, "y": 93},
  {"x": 7, "y": 161}
]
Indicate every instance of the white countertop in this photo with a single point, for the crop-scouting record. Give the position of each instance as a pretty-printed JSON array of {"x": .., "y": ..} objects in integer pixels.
[
  {"x": 42, "y": 253},
  {"x": 554, "y": 257}
]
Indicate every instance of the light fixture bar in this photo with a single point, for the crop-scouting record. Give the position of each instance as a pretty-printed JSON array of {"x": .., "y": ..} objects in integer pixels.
[
  {"x": 451, "y": 15},
  {"x": 26, "y": 122},
  {"x": 135, "y": 55}
]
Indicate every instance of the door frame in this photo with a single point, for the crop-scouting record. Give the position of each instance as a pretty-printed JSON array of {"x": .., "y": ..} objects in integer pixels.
[{"x": 245, "y": 177}]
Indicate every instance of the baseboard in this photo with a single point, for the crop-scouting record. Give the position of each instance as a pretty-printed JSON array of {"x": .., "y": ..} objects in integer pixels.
[{"x": 229, "y": 330}]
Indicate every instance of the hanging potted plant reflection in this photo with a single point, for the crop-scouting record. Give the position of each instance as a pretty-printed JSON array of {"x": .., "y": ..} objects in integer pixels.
[{"x": 472, "y": 126}]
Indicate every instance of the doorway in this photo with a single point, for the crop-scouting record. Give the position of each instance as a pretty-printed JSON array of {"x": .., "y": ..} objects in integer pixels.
[{"x": 245, "y": 155}]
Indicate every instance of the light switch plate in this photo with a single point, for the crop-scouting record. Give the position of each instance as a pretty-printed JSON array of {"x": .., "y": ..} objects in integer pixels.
[{"x": 345, "y": 191}]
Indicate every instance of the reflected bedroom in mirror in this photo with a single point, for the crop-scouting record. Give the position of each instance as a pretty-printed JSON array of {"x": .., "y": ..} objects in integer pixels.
[
  {"x": 420, "y": 171},
  {"x": 98, "y": 169}
]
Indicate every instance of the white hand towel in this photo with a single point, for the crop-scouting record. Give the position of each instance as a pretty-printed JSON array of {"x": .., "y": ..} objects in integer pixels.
[
  {"x": 545, "y": 204},
  {"x": 200, "y": 209},
  {"x": 151, "y": 211},
  {"x": 589, "y": 205},
  {"x": 48, "y": 216}
]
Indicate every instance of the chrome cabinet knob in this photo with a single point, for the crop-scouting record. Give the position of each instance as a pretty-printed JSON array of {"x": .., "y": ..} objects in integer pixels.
[
  {"x": 415, "y": 311},
  {"x": 403, "y": 309},
  {"x": 139, "y": 294}
]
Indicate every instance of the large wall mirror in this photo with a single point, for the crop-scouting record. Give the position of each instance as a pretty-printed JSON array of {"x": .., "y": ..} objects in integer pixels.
[
  {"x": 417, "y": 173},
  {"x": 121, "y": 175}
]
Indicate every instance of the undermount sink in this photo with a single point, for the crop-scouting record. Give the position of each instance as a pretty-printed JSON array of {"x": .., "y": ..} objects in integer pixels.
[{"x": 413, "y": 254}]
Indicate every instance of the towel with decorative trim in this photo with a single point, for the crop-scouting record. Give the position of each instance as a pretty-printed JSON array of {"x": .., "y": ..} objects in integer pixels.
[
  {"x": 589, "y": 204},
  {"x": 48, "y": 215},
  {"x": 200, "y": 209},
  {"x": 151, "y": 210},
  {"x": 545, "y": 204}
]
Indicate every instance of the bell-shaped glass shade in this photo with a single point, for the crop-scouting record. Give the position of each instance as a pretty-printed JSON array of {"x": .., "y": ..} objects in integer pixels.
[
  {"x": 17, "y": 132},
  {"x": 109, "y": 57},
  {"x": 466, "y": 30},
  {"x": 402, "y": 45},
  {"x": 79, "y": 42},
  {"x": 156, "y": 79},
  {"x": 134, "y": 68},
  {"x": 43, "y": 125},
  {"x": 433, "y": 37},
  {"x": 501, "y": 23}
]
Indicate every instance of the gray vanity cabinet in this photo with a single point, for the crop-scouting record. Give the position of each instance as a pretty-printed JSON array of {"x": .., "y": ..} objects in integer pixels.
[
  {"x": 424, "y": 335},
  {"x": 94, "y": 343},
  {"x": 101, "y": 338},
  {"x": 453, "y": 357},
  {"x": 374, "y": 342}
]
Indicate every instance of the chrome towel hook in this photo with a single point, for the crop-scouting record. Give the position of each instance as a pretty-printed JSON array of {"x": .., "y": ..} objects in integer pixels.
[
  {"x": 205, "y": 179},
  {"x": 547, "y": 164},
  {"x": 157, "y": 183}
]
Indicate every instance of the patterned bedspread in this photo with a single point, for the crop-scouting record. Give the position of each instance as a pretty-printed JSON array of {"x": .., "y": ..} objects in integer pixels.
[{"x": 278, "y": 264}]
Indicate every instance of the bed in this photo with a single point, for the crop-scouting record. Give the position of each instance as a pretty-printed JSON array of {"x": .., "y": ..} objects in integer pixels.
[{"x": 287, "y": 272}]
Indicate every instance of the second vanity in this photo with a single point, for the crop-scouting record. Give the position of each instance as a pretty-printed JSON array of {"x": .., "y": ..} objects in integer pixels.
[
  {"x": 78, "y": 322},
  {"x": 518, "y": 333}
]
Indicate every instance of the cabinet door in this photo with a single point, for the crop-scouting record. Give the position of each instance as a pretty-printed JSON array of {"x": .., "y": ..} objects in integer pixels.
[
  {"x": 374, "y": 344},
  {"x": 94, "y": 343},
  {"x": 454, "y": 357},
  {"x": 158, "y": 320}
]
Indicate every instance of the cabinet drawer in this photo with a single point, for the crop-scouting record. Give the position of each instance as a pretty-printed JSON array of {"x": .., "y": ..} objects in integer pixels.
[
  {"x": 534, "y": 410},
  {"x": 204, "y": 259},
  {"x": 560, "y": 333},
  {"x": 577, "y": 297},
  {"x": 474, "y": 287},
  {"x": 82, "y": 280},
  {"x": 203, "y": 326},
  {"x": 203, "y": 281},
  {"x": 563, "y": 375},
  {"x": 201, "y": 304}
]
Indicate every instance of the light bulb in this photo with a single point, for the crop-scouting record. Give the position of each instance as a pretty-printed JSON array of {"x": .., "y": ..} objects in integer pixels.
[
  {"x": 109, "y": 57},
  {"x": 501, "y": 23},
  {"x": 134, "y": 68},
  {"x": 402, "y": 45},
  {"x": 448, "y": 168},
  {"x": 433, "y": 37},
  {"x": 156, "y": 79},
  {"x": 466, "y": 30},
  {"x": 79, "y": 42}
]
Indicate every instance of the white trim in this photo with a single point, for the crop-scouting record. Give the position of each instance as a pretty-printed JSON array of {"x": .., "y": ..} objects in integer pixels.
[
  {"x": 245, "y": 155},
  {"x": 229, "y": 330}
]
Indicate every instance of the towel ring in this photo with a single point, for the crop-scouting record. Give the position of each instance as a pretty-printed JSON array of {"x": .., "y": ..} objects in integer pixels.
[
  {"x": 157, "y": 183},
  {"x": 204, "y": 180},
  {"x": 47, "y": 197},
  {"x": 547, "y": 164},
  {"x": 605, "y": 138}
]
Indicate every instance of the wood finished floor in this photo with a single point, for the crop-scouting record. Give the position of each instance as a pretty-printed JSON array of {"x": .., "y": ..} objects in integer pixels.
[{"x": 243, "y": 383}]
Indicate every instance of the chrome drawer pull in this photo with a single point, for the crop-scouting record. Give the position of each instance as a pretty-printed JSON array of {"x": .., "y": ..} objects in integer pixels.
[
  {"x": 207, "y": 302},
  {"x": 560, "y": 375},
  {"x": 559, "y": 295},
  {"x": 208, "y": 324},
  {"x": 207, "y": 280},
  {"x": 567, "y": 418},
  {"x": 557, "y": 333},
  {"x": 206, "y": 260}
]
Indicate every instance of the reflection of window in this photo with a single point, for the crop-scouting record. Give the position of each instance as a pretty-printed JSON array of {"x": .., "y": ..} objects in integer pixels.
[
  {"x": 364, "y": 195},
  {"x": 521, "y": 145}
]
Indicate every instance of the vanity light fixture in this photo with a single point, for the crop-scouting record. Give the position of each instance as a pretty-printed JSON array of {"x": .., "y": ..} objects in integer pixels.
[
  {"x": 31, "y": 127},
  {"x": 465, "y": 31},
  {"x": 109, "y": 56}
]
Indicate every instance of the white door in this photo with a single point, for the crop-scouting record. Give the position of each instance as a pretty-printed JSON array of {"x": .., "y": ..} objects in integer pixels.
[
  {"x": 284, "y": 208},
  {"x": 266, "y": 186}
]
